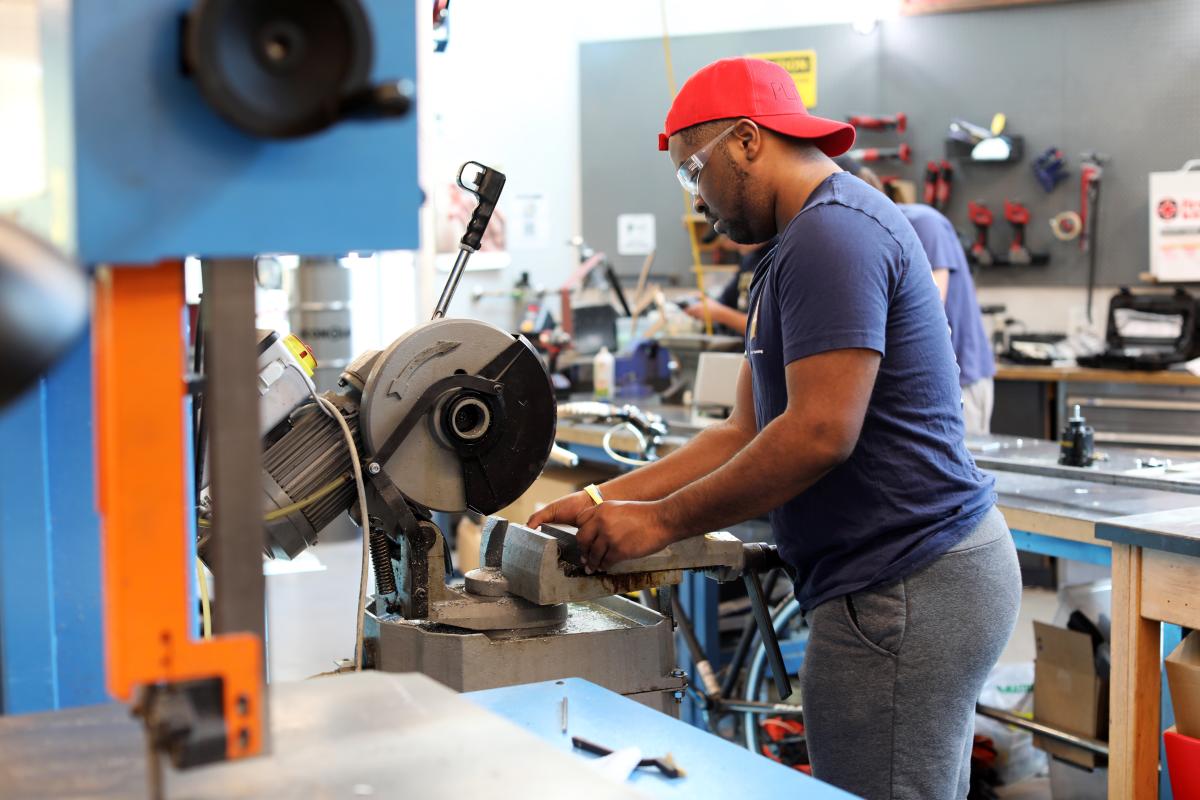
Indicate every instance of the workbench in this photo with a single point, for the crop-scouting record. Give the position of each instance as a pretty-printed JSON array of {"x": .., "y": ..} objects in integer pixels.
[
  {"x": 1126, "y": 407},
  {"x": 399, "y": 735},
  {"x": 1156, "y": 579},
  {"x": 1150, "y": 538},
  {"x": 714, "y": 767}
]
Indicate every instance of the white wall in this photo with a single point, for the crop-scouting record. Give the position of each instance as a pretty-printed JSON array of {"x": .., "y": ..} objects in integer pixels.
[
  {"x": 1051, "y": 309},
  {"x": 505, "y": 93},
  {"x": 642, "y": 19}
]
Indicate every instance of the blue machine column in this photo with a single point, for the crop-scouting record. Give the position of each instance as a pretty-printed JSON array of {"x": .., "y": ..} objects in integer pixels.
[{"x": 51, "y": 647}]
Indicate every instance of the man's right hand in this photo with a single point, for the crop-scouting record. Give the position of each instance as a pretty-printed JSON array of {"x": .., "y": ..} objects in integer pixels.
[{"x": 565, "y": 510}]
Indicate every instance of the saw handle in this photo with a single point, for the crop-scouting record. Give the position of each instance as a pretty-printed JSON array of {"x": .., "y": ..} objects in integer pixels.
[
  {"x": 761, "y": 558},
  {"x": 487, "y": 187}
]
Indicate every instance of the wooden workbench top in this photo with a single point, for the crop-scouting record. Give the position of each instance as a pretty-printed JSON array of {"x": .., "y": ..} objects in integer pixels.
[{"x": 1016, "y": 372}]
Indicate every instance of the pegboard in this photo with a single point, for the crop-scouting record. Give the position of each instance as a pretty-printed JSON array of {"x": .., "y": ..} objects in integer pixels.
[{"x": 1117, "y": 76}]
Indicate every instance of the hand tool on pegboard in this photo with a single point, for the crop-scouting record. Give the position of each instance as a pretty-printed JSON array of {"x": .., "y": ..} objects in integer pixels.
[
  {"x": 1091, "y": 170},
  {"x": 929, "y": 195},
  {"x": 871, "y": 122},
  {"x": 1066, "y": 225},
  {"x": 944, "y": 181},
  {"x": 1050, "y": 168},
  {"x": 872, "y": 154},
  {"x": 981, "y": 217},
  {"x": 1017, "y": 214}
]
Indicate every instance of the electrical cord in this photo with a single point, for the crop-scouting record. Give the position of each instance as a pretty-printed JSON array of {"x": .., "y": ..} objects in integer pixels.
[
  {"x": 333, "y": 412},
  {"x": 308, "y": 501},
  {"x": 299, "y": 505},
  {"x": 205, "y": 603},
  {"x": 643, "y": 444}
]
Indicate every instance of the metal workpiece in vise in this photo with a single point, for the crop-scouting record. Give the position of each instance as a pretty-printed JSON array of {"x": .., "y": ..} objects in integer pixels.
[{"x": 544, "y": 568}]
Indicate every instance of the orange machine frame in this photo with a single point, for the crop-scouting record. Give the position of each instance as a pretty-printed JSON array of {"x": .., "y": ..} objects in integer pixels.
[{"x": 140, "y": 394}]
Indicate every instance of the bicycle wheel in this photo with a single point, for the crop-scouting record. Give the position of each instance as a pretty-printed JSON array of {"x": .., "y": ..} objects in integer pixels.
[{"x": 755, "y": 686}]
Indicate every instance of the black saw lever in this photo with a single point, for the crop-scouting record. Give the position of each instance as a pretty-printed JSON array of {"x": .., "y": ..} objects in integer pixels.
[
  {"x": 487, "y": 185},
  {"x": 763, "y": 558}
]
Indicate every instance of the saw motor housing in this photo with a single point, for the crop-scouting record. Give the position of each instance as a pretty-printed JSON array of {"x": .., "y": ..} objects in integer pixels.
[{"x": 455, "y": 415}]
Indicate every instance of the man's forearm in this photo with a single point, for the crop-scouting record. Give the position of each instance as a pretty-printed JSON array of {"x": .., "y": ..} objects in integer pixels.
[
  {"x": 707, "y": 451},
  {"x": 778, "y": 464}
]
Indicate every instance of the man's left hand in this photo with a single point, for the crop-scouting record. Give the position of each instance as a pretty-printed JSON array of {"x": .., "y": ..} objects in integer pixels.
[{"x": 617, "y": 531}]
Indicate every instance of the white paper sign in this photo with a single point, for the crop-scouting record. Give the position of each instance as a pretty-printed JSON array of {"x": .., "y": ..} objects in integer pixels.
[
  {"x": 1175, "y": 224},
  {"x": 529, "y": 222},
  {"x": 635, "y": 234}
]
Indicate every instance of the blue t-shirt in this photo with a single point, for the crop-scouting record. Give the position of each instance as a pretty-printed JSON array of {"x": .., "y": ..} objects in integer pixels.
[
  {"x": 941, "y": 244},
  {"x": 849, "y": 272}
]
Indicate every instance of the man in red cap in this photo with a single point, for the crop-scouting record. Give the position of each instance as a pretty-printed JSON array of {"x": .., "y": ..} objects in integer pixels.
[{"x": 847, "y": 431}]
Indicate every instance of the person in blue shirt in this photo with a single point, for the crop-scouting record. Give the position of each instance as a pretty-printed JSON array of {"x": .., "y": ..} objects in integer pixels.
[
  {"x": 847, "y": 431},
  {"x": 976, "y": 366},
  {"x": 733, "y": 304}
]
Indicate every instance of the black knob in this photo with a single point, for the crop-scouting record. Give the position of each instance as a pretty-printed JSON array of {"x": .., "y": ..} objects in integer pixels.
[
  {"x": 280, "y": 69},
  {"x": 43, "y": 307}
]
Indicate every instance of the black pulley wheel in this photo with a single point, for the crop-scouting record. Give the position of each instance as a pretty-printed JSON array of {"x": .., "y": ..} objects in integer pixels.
[{"x": 278, "y": 68}]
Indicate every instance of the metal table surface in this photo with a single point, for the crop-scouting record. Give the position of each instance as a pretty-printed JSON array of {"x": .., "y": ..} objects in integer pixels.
[
  {"x": 1077, "y": 506},
  {"x": 356, "y": 735},
  {"x": 715, "y": 768},
  {"x": 1175, "y": 531}
]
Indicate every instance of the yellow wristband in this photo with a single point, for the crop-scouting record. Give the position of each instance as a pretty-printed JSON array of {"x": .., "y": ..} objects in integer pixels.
[{"x": 593, "y": 492}]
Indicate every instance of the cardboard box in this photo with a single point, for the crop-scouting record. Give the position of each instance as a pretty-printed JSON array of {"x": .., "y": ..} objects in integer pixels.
[
  {"x": 1183, "y": 676},
  {"x": 1069, "y": 782},
  {"x": 1067, "y": 692}
]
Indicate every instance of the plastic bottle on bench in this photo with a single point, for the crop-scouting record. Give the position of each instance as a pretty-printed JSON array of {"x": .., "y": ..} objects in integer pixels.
[{"x": 603, "y": 366}]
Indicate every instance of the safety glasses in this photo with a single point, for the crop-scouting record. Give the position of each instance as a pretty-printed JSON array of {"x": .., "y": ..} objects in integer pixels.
[{"x": 689, "y": 171}]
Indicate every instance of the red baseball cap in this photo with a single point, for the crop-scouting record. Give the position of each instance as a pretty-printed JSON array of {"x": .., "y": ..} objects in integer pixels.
[{"x": 755, "y": 89}]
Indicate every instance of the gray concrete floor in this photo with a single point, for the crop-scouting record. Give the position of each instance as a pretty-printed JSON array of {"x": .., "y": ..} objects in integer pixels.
[{"x": 311, "y": 614}]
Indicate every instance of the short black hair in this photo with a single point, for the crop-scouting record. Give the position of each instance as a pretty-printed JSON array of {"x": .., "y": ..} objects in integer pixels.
[{"x": 702, "y": 132}]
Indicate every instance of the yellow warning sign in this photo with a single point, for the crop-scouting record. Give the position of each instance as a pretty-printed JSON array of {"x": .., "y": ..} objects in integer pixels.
[{"x": 802, "y": 65}]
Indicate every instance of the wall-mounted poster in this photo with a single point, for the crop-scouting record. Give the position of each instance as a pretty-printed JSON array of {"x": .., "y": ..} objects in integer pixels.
[{"x": 941, "y": 6}]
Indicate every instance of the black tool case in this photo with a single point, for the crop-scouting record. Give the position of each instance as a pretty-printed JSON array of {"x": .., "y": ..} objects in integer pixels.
[{"x": 1133, "y": 343}]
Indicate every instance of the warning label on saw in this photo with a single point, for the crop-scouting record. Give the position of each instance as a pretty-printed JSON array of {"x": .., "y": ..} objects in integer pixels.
[{"x": 802, "y": 66}]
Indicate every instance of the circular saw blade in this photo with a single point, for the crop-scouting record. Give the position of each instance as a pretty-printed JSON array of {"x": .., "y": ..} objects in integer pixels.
[{"x": 426, "y": 467}]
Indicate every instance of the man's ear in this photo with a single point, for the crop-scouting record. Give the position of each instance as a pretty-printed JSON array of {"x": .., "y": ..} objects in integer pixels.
[{"x": 749, "y": 138}]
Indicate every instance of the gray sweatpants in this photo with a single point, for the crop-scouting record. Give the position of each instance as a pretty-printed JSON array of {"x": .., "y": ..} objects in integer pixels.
[{"x": 891, "y": 674}]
